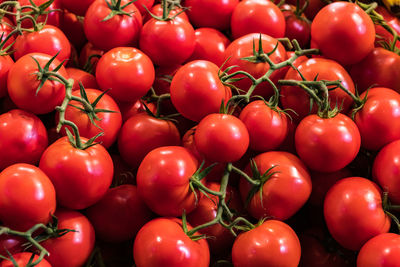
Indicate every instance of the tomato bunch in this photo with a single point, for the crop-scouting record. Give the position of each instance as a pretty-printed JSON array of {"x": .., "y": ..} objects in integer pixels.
[{"x": 199, "y": 133}]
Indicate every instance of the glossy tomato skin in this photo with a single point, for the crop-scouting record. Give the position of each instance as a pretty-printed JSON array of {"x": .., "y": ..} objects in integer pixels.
[
  {"x": 27, "y": 197},
  {"x": 141, "y": 4},
  {"x": 80, "y": 76},
  {"x": 5, "y": 29},
  {"x": 119, "y": 215},
  {"x": 80, "y": 177},
  {"x": 273, "y": 243},
  {"x": 257, "y": 16},
  {"x": 127, "y": 71},
  {"x": 73, "y": 248},
  {"x": 142, "y": 133},
  {"x": 327, "y": 145},
  {"x": 353, "y": 212},
  {"x": 378, "y": 119},
  {"x": 285, "y": 192},
  {"x": 348, "y": 23},
  {"x": 22, "y": 260},
  {"x": 380, "y": 251},
  {"x": 120, "y": 30},
  {"x": 6, "y": 63},
  {"x": 176, "y": 36},
  {"x": 196, "y": 90},
  {"x": 22, "y": 85},
  {"x": 162, "y": 242},
  {"x": 23, "y": 138},
  {"x": 158, "y": 11},
  {"x": 297, "y": 27}
]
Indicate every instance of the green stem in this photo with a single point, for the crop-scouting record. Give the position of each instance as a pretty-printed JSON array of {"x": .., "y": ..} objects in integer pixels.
[{"x": 244, "y": 175}]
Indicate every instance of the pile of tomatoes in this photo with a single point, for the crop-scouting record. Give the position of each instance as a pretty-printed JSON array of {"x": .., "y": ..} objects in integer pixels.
[{"x": 199, "y": 133}]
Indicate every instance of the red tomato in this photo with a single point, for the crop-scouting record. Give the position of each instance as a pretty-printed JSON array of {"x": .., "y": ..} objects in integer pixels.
[
  {"x": 72, "y": 26},
  {"x": 273, "y": 243},
  {"x": 297, "y": 27},
  {"x": 257, "y": 16},
  {"x": 11, "y": 244},
  {"x": 142, "y": 133},
  {"x": 5, "y": 29},
  {"x": 27, "y": 197},
  {"x": 327, "y": 144},
  {"x": 78, "y": 7},
  {"x": 162, "y": 242},
  {"x": 383, "y": 35},
  {"x": 378, "y": 120},
  {"x": 22, "y": 259},
  {"x": 80, "y": 177},
  {"x": 381, "y": 251},
  {"x": 348, "y": 23},
  {"x": 127, "y": 71},
  {"x": 141, "y": 4},
  {"x": 120, "y": 30},
  {"x": 285, "y": 192},
  {"x": 6, "y": 63},
  {"x": 78, "y": 75},
  {"x": 52, "y": 18},
  {"x": 353, "y": 212},
  {"x": 22, "y": 85},
  {"x": 163, "y": 180},
  {"x": 119, "y": 215},
  {"x": 73, "y": 248},
  {"x": 157, "y": 10},
  {"x": 131, "y": 109},
  {"x": 197, "y": 91},
  {"x": 87, "y": 51}
]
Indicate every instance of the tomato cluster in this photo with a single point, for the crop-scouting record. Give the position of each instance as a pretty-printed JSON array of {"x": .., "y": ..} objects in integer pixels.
[{"x": 199, "y": 133}]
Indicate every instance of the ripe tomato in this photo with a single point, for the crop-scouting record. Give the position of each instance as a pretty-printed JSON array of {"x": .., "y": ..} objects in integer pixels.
[
  {"x": 11, "y": 244},
  {"x": 131, "y": 109},
  {"x": 52, "y": 18},
  {"x": 89, "y": 50},
  {"x": 381, "y": 250},
  {"x": 5, "y": 29},
  {"x": 6, "y": 63},
  {"x": 22, "y": 259},
  {"x": 141, "y": 4},
  {"x": 348, "y": 23},
  {"x": 27, "y": 197},
  {"x": 273, "y": 243},
  {"x": 327, "y": 144},
  {"x": 297, "y": 27},
  {"x": 257, "y": 16},
  {"x": 353, "y": 212},
  {"x": 22, "y": 85},
  {"x": 157, "y": 10},
  {"x": 73, "y": 248},
  {"x": 163, "y": 180},
  {"x": 162, "y": 242},
  {"x": 127, "y": 71},
  {"x": 78, "y": 75},
  {"x": 80, "y": 177}
]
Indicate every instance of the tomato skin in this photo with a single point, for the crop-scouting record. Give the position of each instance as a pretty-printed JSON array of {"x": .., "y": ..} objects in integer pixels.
[
  {"x": 80, "y": 177},
  {"x": 22, "y": 85},
  {"x": 162, "y": 242},
  {"x": 176, "y": 35},
  {"x": 78, "y": 7},
  {"x": 23, "y": 138},
  {"x": 273, "y": 243},
  {"x": 6, "y": 63},
  {"x": 119, "y": 215},
  {"x": 78, "y": 75},
  {"x": 267, "y": 128},
  {"x": 198, "y": 82},
  {"x": 141, "y": 3},
  {"x": 378, "y": 119},
  {"x": 22, "y": 260},
  {"x": 158, "y": 11},
  {"x": 163, "y": 180},
  {"x": 11, "y": 243},
  {"x": 131, "y": 109},
  {"x": 257, "y": 16},
  {"x": 297, "y": 28},
  {"x": 327, "y": 145},
  {"x": 142, "y": 133},
  {"x": 5, "y": 29},
  {"x": 380, "y": 251},
  {"x": 120, "y": 30},
  {"x": 72, "y": 26},
  {"x": 353, "y": 212},
  {"x": 73, "y": 248},
  {"x": 357, "y": 34},
  {"x": 127, "y": 71},
  {"x": 88, "y": 50},
  {"x": 27, "y": 196},
  {"x": 52, "y": 18}
]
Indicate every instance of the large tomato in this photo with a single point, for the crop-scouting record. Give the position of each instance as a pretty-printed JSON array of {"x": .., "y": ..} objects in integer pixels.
[
  {"x": 27, "y": 196},
  {"x": 22, "y": 259},
  {"x": 381, "y": 251},
  {"x": 80, "y": 76}
]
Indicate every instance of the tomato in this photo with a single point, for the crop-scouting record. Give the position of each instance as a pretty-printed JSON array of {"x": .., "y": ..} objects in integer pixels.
[
  {"x": 162, "y": 81},
  {"x": 158, "y": 11},
  {"x": 221, "y": 138},
  {"x": 22, "y": 259},
  {"x": 120, "y": 30},
  {"x": 142, "y": 133},
  {"x": 23, "y": 138},
  {"x": 314, "y": 6},
  {"x": 297, "y": 27},
  {"x": 80, "y": 76},
  {"x": 348, "y": 23},
  {"x": 295, "y": 98},
  {"x": 11, "y": 244},
  {"x": 141, "y": 4},
  {"x": 87, "y": 51},
  {"x": 131, "y": 109},
  {"x": 257, "y": 16},
  {"x": 243, "y": 47},
  {"x": 127, "y": 71},
  {"x": 27, "y": 196},
  {"x": 22, "y": 85},
  {"x": 381, "y": 251},
  {"x": 267, "y": 127},
  {"x": 80, "y": 177},
  {"x": 72, "y": 26},
  {"x": 163, "y": 180},
  {"x": 327, "y": 144},
  {"x": 5, "y": 29},
  {"x": 52, "y": 18},
  {"x": 353, "y": 212},
  {"x": 78, "y": 7},
  {"x": 176, "y": 36},
  {"x": 73, "y": 248},
  {"x": 119, "y": 215},
  {"x": 383, "y": 35},
  {"x": 273, "y": 243},
  {"x": 378, "y": 119},
  {"x": 284, "y": 193},
  {"x": 6, "y": 63}
]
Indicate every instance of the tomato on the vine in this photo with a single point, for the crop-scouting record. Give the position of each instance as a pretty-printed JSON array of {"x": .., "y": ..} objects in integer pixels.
[{"x": 22, "y": 259}]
